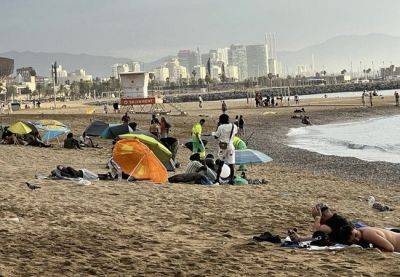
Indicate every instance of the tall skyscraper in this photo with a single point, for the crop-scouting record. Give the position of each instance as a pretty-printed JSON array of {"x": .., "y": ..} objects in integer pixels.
[
  {"x": 188, "y": 59},
  {"x": 257, "y": 60},
  {"x": 239, "y": 58}
]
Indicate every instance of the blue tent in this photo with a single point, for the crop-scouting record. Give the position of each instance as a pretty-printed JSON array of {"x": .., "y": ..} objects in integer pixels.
[
  {"x": 113, "y": 132},
  {"x": 250, "y": 156},
  {"x": 55, "y": 133}
]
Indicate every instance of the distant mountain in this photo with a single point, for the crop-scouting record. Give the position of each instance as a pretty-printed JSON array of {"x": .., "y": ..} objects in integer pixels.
[
  {"x": 151, "y": 65},
  {"x": 337, "y": 53},
  {"x": 334, "y": 55},
  {"x": 98, "y": 66}
]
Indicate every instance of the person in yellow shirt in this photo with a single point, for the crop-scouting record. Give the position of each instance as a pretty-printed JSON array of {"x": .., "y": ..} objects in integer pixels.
[
  {"x": 239, "y": 144},
  {"x": 198, "y": 146}
]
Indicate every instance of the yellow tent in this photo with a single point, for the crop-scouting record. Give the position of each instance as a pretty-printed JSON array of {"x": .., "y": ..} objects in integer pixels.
[{"x": 20, "y": 128}]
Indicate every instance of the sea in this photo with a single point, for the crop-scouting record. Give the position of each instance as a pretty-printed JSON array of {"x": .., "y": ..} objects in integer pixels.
[{"x": 376, "y": 139}]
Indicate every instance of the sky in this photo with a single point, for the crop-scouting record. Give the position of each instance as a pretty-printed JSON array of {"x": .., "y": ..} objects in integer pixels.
[{"x": 148, "y": 29}]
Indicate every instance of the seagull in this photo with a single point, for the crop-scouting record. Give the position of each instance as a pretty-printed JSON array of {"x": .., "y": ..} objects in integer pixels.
[{"x": 32, "y": 186}]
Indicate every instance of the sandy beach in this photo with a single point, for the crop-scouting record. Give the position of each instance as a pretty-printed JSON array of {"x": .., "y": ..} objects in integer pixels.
[{"x": 137, "y": 229}]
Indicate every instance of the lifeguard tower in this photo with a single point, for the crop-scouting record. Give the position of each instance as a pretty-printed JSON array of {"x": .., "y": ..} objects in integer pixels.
[{"x": 134, "y": 93}]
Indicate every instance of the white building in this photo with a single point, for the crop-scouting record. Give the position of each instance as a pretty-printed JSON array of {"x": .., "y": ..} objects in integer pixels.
[
  {"x": 273, "y": 66},
  {"x": 216, "y": 72},
  {"x": 239, "y": 58},
  {"x": 201, "y": 72},
  {"x": 176, "y": 71},
  {"x": 161, "y": 74},
  {"x": 257, "y": 60},
  {"x": 232, "y": 72},
  {"x": 79, "y": 75},
  {"x": 118, "y": 69},
  {"x": 134, "y": 66}
]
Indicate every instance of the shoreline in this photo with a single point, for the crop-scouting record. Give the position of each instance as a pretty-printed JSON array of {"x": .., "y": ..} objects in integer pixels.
[{"x": 366, "y": 171}]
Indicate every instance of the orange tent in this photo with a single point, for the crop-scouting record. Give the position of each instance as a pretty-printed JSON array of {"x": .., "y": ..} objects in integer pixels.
[{"x": 138, "y": 161}]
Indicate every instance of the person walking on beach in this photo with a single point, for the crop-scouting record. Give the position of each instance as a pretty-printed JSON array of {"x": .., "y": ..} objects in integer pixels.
[
  {"x": 272, "y": 101},
  {"x": 200, "y": 102},
  {"x": 396, "y": 97},
  {"x": 296, "y": 99},
  {"x": 363, "y": 98},
  {"x": 105, "y": 109},
  {"x": 241, "y": 126},
  {"x": 198, "y": 145},
  {"x": 370, "y": 98},
  {"x": 224, "y": 107}
]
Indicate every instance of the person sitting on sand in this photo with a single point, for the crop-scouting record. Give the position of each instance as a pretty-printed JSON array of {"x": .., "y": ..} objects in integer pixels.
[
  {"x": 382, "y": 239},
  {"x": 300, "y": 110},
  {"x": 324, "y": 221},
  {"x": 71, "y": 143},
  {"x": 87, "y": 141}
]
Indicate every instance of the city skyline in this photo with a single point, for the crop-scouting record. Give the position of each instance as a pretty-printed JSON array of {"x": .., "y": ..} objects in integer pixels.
[{"x": 146, "y": 31}]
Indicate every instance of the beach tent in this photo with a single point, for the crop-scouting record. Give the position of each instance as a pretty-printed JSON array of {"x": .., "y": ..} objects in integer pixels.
[
  {"x": 161, "y": 152},
  {"x": 96, "y": 128},
  {"x": 138, "y": 161},
  {"x": 113, "y": 132},
  {"x": 20, "y": 128},
  {"x": 45, "y": 122},
  {"x": 250, "y": 156},
  {"x": 55, "y": 133}
]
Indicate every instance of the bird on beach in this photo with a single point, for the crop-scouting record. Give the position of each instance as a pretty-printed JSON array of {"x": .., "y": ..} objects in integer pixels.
[{"x": 32, "y": 186}]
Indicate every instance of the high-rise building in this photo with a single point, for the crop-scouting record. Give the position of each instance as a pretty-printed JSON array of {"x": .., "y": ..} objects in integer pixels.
[
  {"x": 176, "y": 71},
  {"x": 216, "y": 72},
  {"x": 161, "y": 73},
  {"x": 118, "y": 69},
  {"x": 6, "y": 67},
  {"x": 201, "y": 72},
  {"x": 232, "y": 72},
  {"x": 239, "y": 58},
  {"x": 257, "y": 60},
  {"x": 188, "y": 59},
  {"x": 273, "y": 66}
]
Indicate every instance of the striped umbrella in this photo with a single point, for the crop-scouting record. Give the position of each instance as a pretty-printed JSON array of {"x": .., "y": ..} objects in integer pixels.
[{"x": 250, "y": 156}]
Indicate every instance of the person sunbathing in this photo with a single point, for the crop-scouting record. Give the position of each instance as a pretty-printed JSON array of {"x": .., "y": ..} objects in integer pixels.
[{"x": 382, "y": 239}]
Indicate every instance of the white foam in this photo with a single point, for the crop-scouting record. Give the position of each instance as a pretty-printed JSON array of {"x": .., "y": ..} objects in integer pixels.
[{"x": 371, "y": 140}]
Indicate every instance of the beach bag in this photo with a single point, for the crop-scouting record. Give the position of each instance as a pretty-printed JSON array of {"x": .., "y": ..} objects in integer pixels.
[{"x": 224, "y": 145}]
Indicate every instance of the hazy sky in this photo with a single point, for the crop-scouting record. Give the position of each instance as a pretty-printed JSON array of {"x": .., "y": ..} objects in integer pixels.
[{"x": 148, "y": 29}]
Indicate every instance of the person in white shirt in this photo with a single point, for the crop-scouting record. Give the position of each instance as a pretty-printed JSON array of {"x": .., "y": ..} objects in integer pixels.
[{"x": 226, "y": 150}]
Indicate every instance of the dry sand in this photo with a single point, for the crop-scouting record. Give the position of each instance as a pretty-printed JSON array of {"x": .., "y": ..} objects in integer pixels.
[{"x": 116, "y": 228}]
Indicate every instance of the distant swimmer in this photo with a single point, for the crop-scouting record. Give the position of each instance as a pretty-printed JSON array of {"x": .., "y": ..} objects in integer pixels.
[
  {"x": 306, "y": 120},
  {"x": 302, "y": 110}
]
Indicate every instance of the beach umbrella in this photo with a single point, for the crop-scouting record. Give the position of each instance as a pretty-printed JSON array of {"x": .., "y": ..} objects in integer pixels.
[
  {"x": 45, "y": 122},
  {"x": 136, "y": 160},
  {"x": 250, "y": 156},
  {"x": 113, "y": 132},
  {"x": 189, "y": 144},
  {"x": 20, "y": 128},
  {"x": 161, "y": 152},
  {"x": 31, "y": 125}
]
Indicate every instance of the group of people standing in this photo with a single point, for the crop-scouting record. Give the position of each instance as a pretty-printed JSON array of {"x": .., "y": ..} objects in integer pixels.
[
  {"x": 227, "y": 136},
  {"x": 272, "y": 101}
]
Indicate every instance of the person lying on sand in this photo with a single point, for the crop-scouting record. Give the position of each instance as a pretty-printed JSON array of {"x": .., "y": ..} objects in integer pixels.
[
  {"x": 324, "y": 221},
  {"x": 383, "y": 239}
]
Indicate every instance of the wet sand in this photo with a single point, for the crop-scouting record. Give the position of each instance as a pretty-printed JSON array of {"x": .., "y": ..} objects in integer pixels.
[{"x": 116, "y": 228}]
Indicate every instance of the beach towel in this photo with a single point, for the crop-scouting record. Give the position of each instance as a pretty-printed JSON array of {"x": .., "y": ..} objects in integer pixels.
[{"x": 86, "y": 179}]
